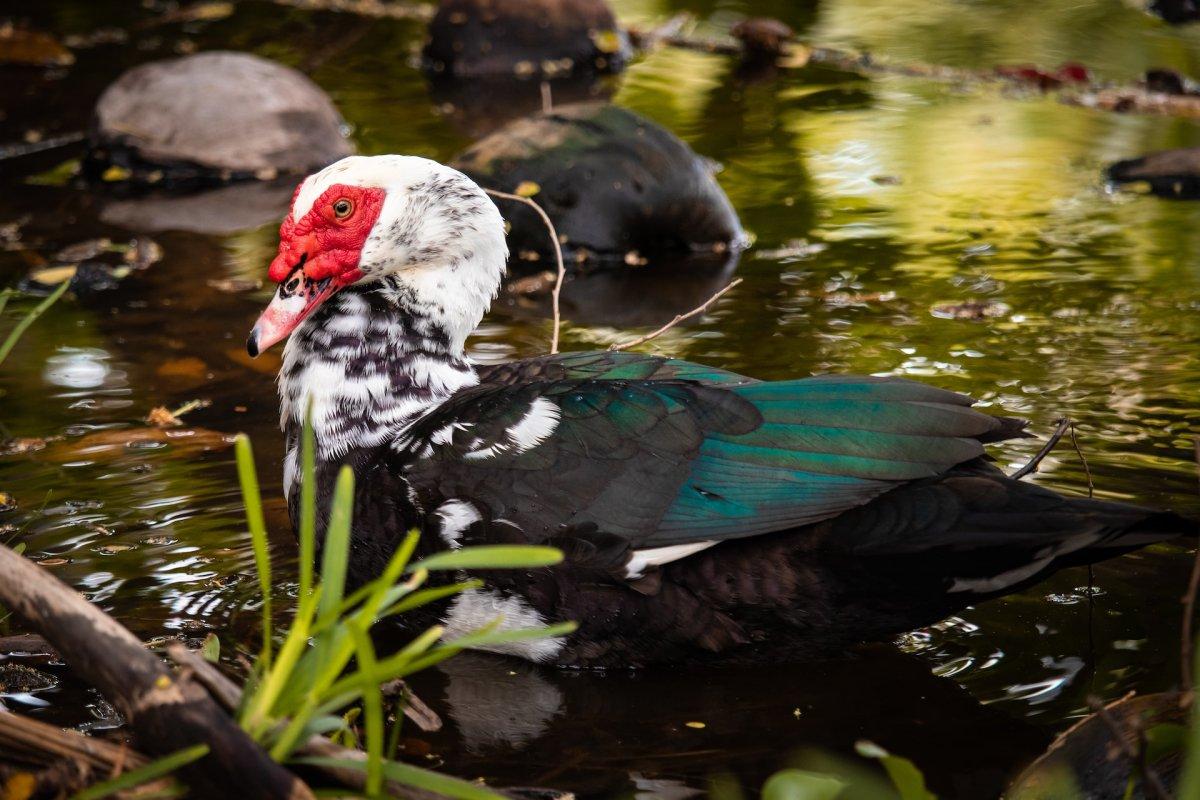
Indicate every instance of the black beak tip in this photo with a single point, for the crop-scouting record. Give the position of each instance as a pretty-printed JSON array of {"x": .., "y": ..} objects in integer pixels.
[{"x": 252, "y": 343}]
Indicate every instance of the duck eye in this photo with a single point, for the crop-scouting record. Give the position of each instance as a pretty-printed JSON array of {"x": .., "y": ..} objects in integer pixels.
[{"x": 343, "y": 208}]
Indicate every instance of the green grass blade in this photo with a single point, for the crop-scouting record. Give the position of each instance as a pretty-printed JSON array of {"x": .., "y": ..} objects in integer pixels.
[
  {"x": 493, "y": 556},
  {"x": 152, "y": 771},
  {"x": 416, "y": 777},
  {"x": 1189, "y": 778},
  {"x": 4, "y": 296},
  {"x": 336, "y": 548},
  {"x": 258, "y": 535},
  {"x": 257, "y": 717},
  {"x": 391, "y": 667},
  {"x": 29, "y": 318},
  {"x": 427, "y": 596},
  {"x": 308, "y": 503},
  {"x": 372, "y": 700}
]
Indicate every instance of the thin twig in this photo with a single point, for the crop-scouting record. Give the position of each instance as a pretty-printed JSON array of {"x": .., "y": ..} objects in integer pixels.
[
  {"x": 1032, "y": 465},
  {"x": 1083, "y": 459},
  {"x": 1149, "y": 775},
  {"x": 700, "y": 309},
  {"x": 1189, "y": 611},
  {"x": 562, "y": 270},
  {"x": 547, "y": 98}
]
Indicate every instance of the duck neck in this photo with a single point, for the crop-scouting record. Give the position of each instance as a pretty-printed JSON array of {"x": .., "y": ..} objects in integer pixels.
[{"x": 369, "y": 363}]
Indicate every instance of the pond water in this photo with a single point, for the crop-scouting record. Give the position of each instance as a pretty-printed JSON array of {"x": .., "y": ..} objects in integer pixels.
[{"x": 872, "y": 200}]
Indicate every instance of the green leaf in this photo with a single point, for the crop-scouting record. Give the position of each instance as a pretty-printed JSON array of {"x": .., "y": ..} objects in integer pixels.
[
  {"x": 1163, "y": 740},
  {"x": 416, "y": 777},
  {"x": 906, "y": 777},
  {"x": 1189, "y": 778},
  {"x": 336, "y": 555},
  {"x": 308, "y": 502},
  {"x": 426, "y": 596},
  {"x": 799, "y": 784},
  {"x": 152, "y": 771},
  {"x": 493, "y": 556},
  {"x": 211, "y": 649},
  {"x": 258, "y": 535}
]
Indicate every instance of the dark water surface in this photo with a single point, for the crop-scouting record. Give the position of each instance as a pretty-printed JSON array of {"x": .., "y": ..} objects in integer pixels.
[{"x": 872, "y": 201}]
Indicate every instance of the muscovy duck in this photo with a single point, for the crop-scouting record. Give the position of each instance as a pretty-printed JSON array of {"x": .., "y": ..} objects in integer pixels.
[{"x": 703, "y": 514}]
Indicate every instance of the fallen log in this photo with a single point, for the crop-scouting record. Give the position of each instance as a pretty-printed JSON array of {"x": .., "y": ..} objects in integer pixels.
[{"x": 165, "y": 714}]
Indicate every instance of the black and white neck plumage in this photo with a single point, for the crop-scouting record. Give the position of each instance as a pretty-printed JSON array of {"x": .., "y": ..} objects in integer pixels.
[
  {"x": 390, "y": 346},
  {"x": 702, "y": 514}
]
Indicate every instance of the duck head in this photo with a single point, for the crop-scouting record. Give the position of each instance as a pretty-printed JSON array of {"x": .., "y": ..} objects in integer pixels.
[{"x": 426, "y": 234}]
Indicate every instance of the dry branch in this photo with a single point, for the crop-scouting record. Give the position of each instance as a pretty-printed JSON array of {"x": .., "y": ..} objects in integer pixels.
[
  {"x": 562, "y": 270},
  {"x": 165, "y": 714},
  {"x": 1032, "y": 465},
  {"x": 38, "y": 742},
  {"x": 700, "y": 309}
]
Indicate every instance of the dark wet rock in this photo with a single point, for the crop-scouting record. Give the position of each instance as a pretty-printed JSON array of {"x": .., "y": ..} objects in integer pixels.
[
  {"x": 1088, "y": 753},
  {"x": 219, "y": 211},
  {"x": 1175, "y": 12},
  {"x": 210, "y": 118},
  {"x": 1169, "y": 173},
  {"x": 525, "y": 38},
  {"x": 762, "y": 37},
  {"x": 20, "y": 679},
  {"x": 614, "y": 184}
]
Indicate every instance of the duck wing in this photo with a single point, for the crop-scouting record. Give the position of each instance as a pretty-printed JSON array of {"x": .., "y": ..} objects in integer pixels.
[{"x": 663, "y": 453}]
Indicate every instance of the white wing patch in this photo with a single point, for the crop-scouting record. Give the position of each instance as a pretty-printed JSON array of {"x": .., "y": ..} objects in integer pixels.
[
  {"x": 476, "y": 608},
  {"x": 456, "y": 516},
  {"x": 535, "y": 427},
  {"x": 641, "y": 560}
]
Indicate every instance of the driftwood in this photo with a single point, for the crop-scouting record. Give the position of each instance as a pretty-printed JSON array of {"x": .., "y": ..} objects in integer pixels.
[
  {"x": 164, "y": 713},
  {"x": 36, "y": 742}
]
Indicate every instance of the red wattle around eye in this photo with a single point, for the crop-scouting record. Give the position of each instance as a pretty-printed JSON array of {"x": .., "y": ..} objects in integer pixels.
[{"x": 333, "y": 246}]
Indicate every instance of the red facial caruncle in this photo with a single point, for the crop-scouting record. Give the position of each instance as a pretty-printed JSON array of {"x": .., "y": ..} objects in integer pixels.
[{"x": 319, "y": 253}]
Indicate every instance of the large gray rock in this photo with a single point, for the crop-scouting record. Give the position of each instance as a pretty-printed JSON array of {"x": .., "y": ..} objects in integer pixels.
[{"x": 228, "y": 115}]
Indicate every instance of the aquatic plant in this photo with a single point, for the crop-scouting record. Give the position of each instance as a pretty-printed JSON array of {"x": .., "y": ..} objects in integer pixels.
[{"x": 327, "y": 661}]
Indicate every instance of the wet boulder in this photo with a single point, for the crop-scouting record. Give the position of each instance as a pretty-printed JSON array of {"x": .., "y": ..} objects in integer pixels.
[
  {"x": 1168, "y": 173},
  {"x": 525, "y": 38},
  {"x": 211, "y": 118},
  {"x": 619, "y": 189}
]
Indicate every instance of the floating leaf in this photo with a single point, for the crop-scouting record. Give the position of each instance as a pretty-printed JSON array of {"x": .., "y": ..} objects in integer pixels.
[
  {"x": 906, "y": 777},
  {"x": 799, "y": 784},
  {"x": 115, "y": 174},
  {"x": 527, "y": 189}
]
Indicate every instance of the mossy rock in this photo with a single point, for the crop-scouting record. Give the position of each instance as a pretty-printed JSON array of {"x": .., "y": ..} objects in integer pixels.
[{"x": 617, "y": 186}]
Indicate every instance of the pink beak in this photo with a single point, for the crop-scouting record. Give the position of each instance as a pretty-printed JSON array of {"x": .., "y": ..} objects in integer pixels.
[{"x": 296, "y": 298}]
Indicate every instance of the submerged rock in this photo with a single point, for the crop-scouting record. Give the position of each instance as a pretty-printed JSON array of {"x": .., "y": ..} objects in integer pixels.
[
  {"x": 219, "y": 211},
  {"x": 1169, "y": 173},
  {"x": 212, "y": 117},
  {"x": 618, "y": 187},
  {"x": 526, "y": 38}
]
